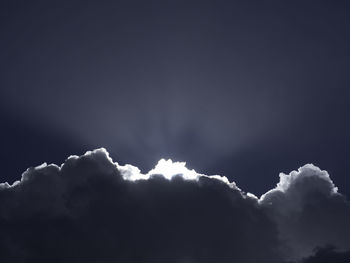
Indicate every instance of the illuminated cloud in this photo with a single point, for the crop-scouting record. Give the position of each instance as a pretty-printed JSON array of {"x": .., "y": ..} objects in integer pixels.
[
  {"x": 91, "y": 209},
  {"x": 308, "y": 211}
]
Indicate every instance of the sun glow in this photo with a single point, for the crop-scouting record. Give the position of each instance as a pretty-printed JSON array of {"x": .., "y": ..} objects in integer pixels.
[{"x": 168, "y": 169}]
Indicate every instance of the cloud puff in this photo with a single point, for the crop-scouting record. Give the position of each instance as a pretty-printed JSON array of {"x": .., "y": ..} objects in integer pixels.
[
  {"x": 308, "y": 211},
  {"x": 91, "y": 209}
]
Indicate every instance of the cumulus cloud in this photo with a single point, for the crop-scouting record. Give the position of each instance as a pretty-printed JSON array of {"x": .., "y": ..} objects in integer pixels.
[
  {"x": 91, "y": 209},
  {"x": 309, "y": 211}
]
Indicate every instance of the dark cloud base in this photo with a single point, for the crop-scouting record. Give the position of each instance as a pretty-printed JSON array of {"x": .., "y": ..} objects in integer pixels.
[
  {"x": 328, "y": 254},
  {"x": 93, "y": 210}
]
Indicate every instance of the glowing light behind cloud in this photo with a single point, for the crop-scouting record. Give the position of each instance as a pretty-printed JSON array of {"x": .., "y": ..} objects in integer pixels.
[{"x": 168, "y": 169}]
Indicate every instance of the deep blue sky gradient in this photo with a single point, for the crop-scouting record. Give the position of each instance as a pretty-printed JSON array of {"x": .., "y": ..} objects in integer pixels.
[{"x": 239, "y": 88}]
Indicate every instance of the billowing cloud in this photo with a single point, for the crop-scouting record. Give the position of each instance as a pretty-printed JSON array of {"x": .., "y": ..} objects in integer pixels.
[
  {"x": 91, "y": 209},
  {"x": 309, "y": 211}
]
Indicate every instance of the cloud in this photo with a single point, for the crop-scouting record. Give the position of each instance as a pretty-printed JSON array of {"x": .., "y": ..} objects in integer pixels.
[
  {"x": 325, "y": 255},
  {"x": 308, "y": 211},
  {"x": 91, "y": 209},
  {"x": 328, "y": 254}
]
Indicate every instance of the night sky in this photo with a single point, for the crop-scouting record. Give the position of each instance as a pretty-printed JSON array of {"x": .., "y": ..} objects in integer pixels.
[{"x": 241, "y": 89}]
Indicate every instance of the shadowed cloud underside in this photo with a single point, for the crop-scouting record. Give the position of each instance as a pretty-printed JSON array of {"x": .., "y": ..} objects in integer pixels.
[{"x": 91, "y": 209}]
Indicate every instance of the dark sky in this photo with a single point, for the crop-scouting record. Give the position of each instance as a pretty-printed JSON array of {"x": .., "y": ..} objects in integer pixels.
[{"x": 238, "y": 88}]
